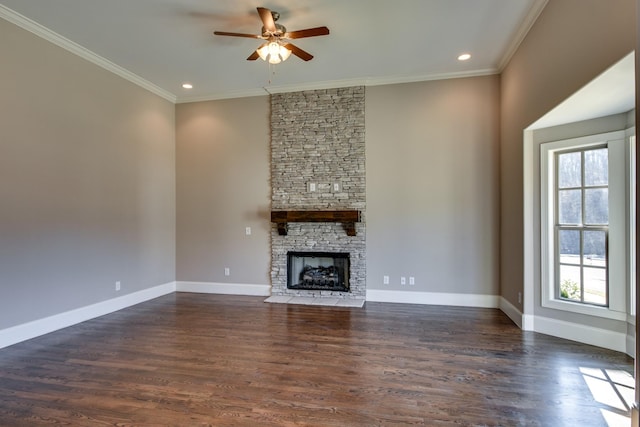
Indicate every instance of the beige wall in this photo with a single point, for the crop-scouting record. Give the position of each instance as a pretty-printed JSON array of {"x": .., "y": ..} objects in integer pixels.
[
  {"x": 223, "y": 154},
  {"x": 90, "y": 164},
  {"x": 432, "y": 185},
  {"x": 86, "y": 182},
  {"x": 571, "y": 43}
]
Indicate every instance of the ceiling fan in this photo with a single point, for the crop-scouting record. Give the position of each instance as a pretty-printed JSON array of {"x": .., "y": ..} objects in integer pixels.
[{"x": 276, "y": 48}]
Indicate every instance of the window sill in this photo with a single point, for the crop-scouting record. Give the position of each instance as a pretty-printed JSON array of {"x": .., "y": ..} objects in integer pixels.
[{"x": 588, "y": 310}]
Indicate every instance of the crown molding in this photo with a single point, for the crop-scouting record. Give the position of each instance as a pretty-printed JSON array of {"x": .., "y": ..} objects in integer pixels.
[
  {"x": 329, "y": 84},
  {"x": 334, "y": 84},
  {"x": 522, "y": 32},
  {"x": 55, "y": 38},
  {"x": 429, "y": 77},
  {"x": 224, "y": 95}
]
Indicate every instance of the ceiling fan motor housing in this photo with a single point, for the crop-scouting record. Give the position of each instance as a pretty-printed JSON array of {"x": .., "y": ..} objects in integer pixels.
[{"x": 280, "y": 30}]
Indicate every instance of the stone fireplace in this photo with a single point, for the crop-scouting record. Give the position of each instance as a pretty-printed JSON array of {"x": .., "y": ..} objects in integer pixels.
[{"x": 318, "y": 165}]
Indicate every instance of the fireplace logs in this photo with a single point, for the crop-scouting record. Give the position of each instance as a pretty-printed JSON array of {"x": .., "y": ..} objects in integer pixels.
[
  {"x": 324, "y": 276},
  {"x": 318, "y": 271}
]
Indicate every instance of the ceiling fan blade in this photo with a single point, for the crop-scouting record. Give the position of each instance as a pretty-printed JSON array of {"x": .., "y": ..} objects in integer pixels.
[
  {"x": 309, "y": 32},
  {"x": 306, "y": 56},
  {"x": 267, "y": 19},
  {"x": 225, "y": 33},
  {"x": 253, "y": 56}
]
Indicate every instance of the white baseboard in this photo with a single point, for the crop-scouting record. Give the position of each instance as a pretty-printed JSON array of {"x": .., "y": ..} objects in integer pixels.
[
  {"x": 26, "y": 331},
  {"x": 433, "y": 298},
  {"x": 224, "y": 288},
  {"x": 527, "y": 322},
  {"x": 572, "y": 331},
  {"x": 581, "y": 333},
  {"x": 511, "y": 311},
  {"x": 631, "y": 346}
]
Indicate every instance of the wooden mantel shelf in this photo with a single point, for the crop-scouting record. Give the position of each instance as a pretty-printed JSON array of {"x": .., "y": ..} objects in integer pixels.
[{"x": 348, "y": 218}]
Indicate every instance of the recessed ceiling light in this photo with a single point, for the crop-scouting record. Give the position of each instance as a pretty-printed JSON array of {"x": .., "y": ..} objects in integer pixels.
[
  {"x": 464, "y": 57},
  {"x": 187, "y": 85}
]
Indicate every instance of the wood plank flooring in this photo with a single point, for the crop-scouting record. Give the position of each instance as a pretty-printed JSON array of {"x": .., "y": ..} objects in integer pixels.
[{"x": 217, "y": 360}]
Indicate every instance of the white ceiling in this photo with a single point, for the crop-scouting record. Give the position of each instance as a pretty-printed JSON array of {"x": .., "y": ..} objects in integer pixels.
[
  {"x": 162, "y": 43},
  {"x": 611, "y": 92}
]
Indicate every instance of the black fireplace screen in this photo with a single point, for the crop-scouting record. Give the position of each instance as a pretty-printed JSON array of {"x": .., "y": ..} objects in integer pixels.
[{"x": 325, "y": 271}]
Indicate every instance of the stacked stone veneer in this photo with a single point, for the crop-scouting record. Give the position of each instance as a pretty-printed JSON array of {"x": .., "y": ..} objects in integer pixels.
[{"x": 318, "y": 137}]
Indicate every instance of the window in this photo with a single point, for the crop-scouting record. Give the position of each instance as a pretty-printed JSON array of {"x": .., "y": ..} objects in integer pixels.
[{"x": 583, "y": 223}]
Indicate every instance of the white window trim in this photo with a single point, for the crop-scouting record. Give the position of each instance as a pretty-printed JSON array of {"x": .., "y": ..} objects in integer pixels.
[
  {"x": 617, "y": 309},
  {"x": 631, "y": 221}
]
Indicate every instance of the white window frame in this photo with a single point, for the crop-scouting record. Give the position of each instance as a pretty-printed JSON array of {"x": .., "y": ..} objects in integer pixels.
[
  {"x": 631, "y": 209},
  {"x": 617, "y": 250}
]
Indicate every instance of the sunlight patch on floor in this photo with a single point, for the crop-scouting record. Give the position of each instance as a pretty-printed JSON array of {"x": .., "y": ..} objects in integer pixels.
[{"x": 613, "y": 389}]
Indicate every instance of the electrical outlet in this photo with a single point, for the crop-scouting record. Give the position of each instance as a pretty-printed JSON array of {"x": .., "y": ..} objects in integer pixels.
[
  {"x": 247, "y": 231},
  {"x": 403, "y": 280},
  {"x": 519, "y": 297},
  {"x": 385, "y": 280},
  {"x": 336, "y": 187},
  {"x": 117, "y": 286},
  {"x": 227, "y": 271},
  {"x": 311, "y": 187},
  {"x": 412, "y": 280}
]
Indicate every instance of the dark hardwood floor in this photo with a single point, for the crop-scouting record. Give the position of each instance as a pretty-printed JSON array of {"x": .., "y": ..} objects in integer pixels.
[{"x": 214, "y": 360}]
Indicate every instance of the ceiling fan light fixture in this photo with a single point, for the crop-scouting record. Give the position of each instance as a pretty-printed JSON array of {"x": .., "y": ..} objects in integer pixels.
[
  {"x": 273, "y": 52},
  {"x": 263, "y": 51},
  {"x": 284, "y": 53}
]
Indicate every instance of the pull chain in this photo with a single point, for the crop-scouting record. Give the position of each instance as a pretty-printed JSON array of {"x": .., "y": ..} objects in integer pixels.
[{"x": 272, "y": 72}]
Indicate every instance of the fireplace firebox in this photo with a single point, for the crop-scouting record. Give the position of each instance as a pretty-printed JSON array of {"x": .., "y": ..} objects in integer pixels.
[{"x": 324, "y": 271}]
